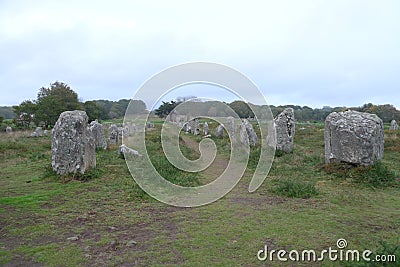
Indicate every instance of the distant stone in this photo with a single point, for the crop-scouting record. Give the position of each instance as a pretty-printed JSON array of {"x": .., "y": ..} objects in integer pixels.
[
  {"x": 45, "y": 132},
  {"x": 285, "y": 128},
  {"x": 247, "y": 135},
  {"x": 219, "y": 131},
  {"x": 131, "y": 127},
  {"x": 72, "y": 148},
  {"x": 8, "y": 129},
  {"x": 149, "y": 125},
  {"x": 393, "y": 126},
  {"x": 230, "y": 126},
  {"x": 123, "y": 131},
  {"x": 193, "y": 127},
  {"x": 124, "y": 151},
  {"x": 186, "y": 127},
  {"x": 206, "y": 129},
  {"x": 38, "y": 132},
  {"x": 353, "y": 137},
  {"x": 114, "y": 136},
  {"x": 97, "y": 130},
  {"x": 196, "y": 127}
]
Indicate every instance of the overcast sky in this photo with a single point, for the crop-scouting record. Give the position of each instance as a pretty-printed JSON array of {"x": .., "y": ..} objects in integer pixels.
[{"x": 315, "y": 53}]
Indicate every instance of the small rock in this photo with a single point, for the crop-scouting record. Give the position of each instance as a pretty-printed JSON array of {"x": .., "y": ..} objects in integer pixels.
[
  {"x": 73, "y": 238},
  {"x": 126, "y": 151},
  {"x": 131, "y": 243}
]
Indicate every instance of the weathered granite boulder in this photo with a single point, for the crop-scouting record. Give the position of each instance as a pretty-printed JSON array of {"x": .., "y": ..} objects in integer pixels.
[
  {"x": 230, "y": 126},
  {"x": 72, "y": 148},
  {"x": 247, "y": 135},
  {"x": 97, "y": 130},
  {"x": 285, "y": 128},
  {"x": 206, "y": 129},
  {"x": 193, "y": 127},
  {"x": 393, "y": 126},
  {"x": 219, "y": 131},
  {"x": 353, "y": 137},
  {"x": 8, "y": 129},
  {"x": 38, "y": 132},
  {"x": 123, "y": 151},
  {"x": 114, "y": 136}
]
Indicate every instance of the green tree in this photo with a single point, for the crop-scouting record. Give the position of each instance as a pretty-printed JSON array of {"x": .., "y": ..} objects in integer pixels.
[
  {"x": 165, "y": 108},
  {"x": 92, "y": 110},
  {"x": 242, "y": 109},
  {"x": 137, "y": 107},
  {"x": 25, "y": 113},
  {"x": 54, "y": 100},
  {"x": 118, "y": 108}
]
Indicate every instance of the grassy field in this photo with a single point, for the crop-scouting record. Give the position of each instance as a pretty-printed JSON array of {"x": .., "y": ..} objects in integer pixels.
[{"x": 105, "y": 219}]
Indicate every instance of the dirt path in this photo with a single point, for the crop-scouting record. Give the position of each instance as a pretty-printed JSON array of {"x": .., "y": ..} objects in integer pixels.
[{"x": 215, "y": 169}]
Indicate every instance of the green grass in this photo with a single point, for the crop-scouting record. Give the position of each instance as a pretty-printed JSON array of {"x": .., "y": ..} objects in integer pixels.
[
  {"x": 296, "y": 189},
  {"x": 377, "y": 175},
  {"x": 39, "y": 211}
]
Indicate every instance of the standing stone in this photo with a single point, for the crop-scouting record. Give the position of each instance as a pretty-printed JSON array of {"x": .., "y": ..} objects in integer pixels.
[
  {"x": 393, "y": 126},
  {"x": 196, "y": 127},
  {"x": 72, "y": 148},
  {"x": 8, "y": 129},
  {"x": 353, "y": 137},
  {"x": 187, "y": 127},
  {"x": 244, "y": 139},
  {"x": 206, "y": 129},
  {"x": 285, "y": 127},
  {"x": 219, "y": 131},
  {"x": 113, "y": 135},
  {"x": 38, "y": 132},
  {"x": 97, "y": 130},
  {"x": 247, "y": 135},
  {"x": 193, "y": 127},
  {"x": 230, "y": 126}
]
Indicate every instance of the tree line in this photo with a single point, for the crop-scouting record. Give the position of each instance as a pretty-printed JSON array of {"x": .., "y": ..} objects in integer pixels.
[
  {"x": 386, "y": 112},
  {"x": 59, "y": 97}
]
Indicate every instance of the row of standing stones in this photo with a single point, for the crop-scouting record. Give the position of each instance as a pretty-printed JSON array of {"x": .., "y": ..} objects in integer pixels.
[{"x": 350, "y": 136}]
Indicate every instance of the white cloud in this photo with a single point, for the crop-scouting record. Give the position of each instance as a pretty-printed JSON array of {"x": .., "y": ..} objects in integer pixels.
[{"x": 293, "y": 50}]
